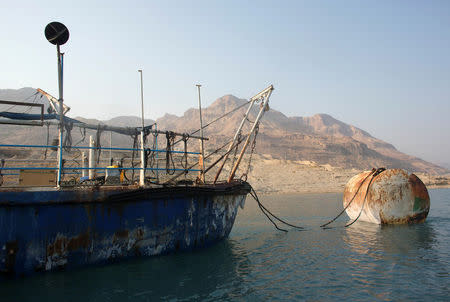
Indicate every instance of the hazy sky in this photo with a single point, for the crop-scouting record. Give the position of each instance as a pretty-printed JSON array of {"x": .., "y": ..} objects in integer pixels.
[{"x": 383, "y": 66}]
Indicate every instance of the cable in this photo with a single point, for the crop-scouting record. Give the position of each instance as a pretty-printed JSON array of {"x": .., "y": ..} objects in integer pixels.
[
  {"x": 351, "y": 200},
  {"x": 215, "y": 120},
  {"x": 170, "y": 136},
  {"x": 264, "y": 210},
  {"x": 378, "y": 171},
  {"x": 372, "y": 173}
]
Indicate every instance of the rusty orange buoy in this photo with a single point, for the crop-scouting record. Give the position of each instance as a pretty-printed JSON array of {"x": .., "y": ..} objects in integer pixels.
[{"x": 393, "y": 196}]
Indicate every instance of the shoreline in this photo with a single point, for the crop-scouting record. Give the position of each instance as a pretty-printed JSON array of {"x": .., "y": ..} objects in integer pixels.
[
  {"x": 331, "y": 192},
  {"x": 270, "y": 176}
]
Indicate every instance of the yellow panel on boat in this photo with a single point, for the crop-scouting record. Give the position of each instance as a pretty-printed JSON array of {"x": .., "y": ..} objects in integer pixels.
[{"x": 37, "y": 178}]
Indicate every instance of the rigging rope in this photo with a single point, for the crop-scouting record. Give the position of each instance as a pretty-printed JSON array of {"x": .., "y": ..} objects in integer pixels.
[
  {"x": 48, "y": 137},
  {"x": 2, "y": 164},
  {"x": 134, "y": 137},
  {"x": 184, "y": 158},
  {"x": 206, "y": 157},
  {"x": 215, "y": 120},
  {"x": 239, "y": 138},
  {"x": 170, "y": 137},
  {"x": 68, "y": 138},
  {"x": 150, "y": 154},
  {"x": 98, "y": 145},
  {"x": 34, "y": 94},
  {"x": 253, "y": 147}
]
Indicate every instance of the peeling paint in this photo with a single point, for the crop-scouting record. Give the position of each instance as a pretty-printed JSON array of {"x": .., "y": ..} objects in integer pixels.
[{"x": 61, "y": 237}]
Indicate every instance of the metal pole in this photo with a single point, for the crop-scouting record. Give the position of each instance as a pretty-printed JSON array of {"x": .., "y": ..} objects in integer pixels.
[
  {"x": 142, "y": 98},
  {"x": 61, "y": 114},
  {"x": 157, "y": 154},
  {"x": 142, "y": 171},
  {"x": 83, "y": 164},
  {"x": 202, "y": 151},
  {"x": 91, "y": 158},
  {"x": 110, "y": 145}
]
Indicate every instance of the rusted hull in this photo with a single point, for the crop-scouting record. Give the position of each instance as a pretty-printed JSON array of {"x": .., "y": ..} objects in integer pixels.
[
  {"x": 61, "y": 230},
  {"x": 393, "y": 197}
]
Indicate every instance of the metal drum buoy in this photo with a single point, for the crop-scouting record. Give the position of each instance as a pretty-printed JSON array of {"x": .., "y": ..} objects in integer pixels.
[{"x": 392, "y": 196}]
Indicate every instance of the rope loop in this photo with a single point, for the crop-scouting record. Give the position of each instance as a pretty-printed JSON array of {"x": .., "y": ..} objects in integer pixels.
[
  {"x": 2, "y": 165},
  {"x": 170, "y": 165},
  {"x": 184, "y": 158}
]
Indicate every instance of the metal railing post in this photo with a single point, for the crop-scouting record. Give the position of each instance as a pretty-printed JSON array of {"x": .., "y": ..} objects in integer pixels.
[
  {"x": 91, "y": 158},
  {"x": 83, "y": 164}
]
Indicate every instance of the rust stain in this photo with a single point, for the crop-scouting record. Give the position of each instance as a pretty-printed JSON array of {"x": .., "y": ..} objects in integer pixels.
[
  {"x": 120, "y": 235},
  {"x": 418, "y": 187},
  {"x": 352, "y": 186},
  {"x": 62, "y": 244},
  {"x": 57, "y": 247},
  {"x": 411, "y": 219},
  {"x": 78, "y": 242},
  {"x": 139, "y": 234}
]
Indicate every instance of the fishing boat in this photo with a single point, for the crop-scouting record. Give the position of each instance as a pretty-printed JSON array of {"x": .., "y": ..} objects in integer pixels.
[{"x": 53, "y": 220}]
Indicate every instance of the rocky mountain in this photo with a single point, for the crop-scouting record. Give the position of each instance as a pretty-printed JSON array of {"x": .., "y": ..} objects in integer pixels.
[{"x": 320, "y": 138}]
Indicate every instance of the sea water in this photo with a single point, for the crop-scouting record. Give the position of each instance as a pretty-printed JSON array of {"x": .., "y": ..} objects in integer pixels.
[{"x": 258, "y": 263}]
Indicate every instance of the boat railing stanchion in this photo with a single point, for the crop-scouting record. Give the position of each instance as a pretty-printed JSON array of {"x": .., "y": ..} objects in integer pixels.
[
  {"x": 83, "y": 164},
  {"x": 91, "y": 158},
  {"x": 157, "y": 154}
]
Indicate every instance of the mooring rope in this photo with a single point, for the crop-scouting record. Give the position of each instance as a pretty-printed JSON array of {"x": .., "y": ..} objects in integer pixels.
[
  {"x": 375, "y": 173},
  {"x": 372, "y": 173},
  {"x": 267, "y": 213},
  {"x": 270, "y": 215},
  {"x": 351, "y": 200}
]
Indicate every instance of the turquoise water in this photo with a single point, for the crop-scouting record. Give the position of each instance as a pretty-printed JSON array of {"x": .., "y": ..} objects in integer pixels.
[{"x": 257, "y": 263}]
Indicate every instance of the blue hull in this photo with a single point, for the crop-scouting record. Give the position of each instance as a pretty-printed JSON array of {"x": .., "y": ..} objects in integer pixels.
[{"x": 47, "y": 230}]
